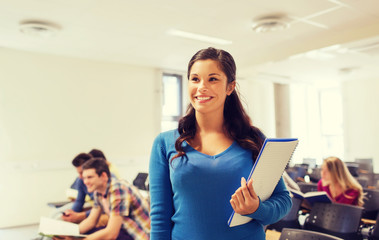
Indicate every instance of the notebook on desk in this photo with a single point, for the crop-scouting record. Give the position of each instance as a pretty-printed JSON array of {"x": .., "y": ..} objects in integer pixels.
[
  {"x": 267, "y": 170},
  {"x": 51, "y": 227}
]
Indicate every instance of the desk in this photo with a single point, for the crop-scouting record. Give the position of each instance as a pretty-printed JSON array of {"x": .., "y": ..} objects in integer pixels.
[
  {"x": 272, "y": 235},
  {"x": 368, "y": 221}
]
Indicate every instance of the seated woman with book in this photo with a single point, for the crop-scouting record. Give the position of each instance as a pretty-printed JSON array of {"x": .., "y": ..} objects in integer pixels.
[{"x": 338, "y": 183}]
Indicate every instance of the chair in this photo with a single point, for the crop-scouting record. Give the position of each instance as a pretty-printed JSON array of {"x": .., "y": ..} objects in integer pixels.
[
  {"x": 353, "y": 168},
  {"x": 307, "y": 187},
  {"x": 297, "y": 172},
  {"x": 370, "y": 232},
  {"x": 374, "y": 234},
  {"x": 302, "y": 170},
  {"x": 365, "y": 164},
  {"x": 363, "y": 181},
  {"x": 371, "y": 204},
  {"x": 315, "y": 175},
  {"x": 336, "y": 219},
  {"x": 297, "y": 234},
  {"x": 140, "y": 181},
  {"x": 291, "y": 220}
]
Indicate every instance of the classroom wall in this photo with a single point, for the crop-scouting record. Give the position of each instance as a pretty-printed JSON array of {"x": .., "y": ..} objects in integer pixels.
[
  {"x": 361, "y": 119},
  {"x": 258, "y": 99},
  {"x": 52, "y": 108}
]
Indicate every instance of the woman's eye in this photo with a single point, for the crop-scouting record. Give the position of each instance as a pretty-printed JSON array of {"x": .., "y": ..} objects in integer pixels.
[
  {"x": 194, "y": 79},
  {"x": 212, "y": 79}
]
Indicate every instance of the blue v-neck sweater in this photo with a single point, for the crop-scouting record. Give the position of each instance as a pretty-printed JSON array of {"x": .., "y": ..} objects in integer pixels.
[{"x": 190, "y": 195}]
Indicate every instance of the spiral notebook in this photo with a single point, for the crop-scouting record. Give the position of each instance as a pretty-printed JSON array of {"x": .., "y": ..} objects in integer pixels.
[{"x": 267, "y": 170}]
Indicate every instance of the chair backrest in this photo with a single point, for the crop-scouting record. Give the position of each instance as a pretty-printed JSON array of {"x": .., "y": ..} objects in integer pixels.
[
  {"x": 353, "y": 168},
  {"x": 291, "y": 220},
  {"x": 140, "y": 180},
  {"x": 307, "y": 187},
  {"x": 298, "y": 234},
  {"x": 340, "y": 220},
  {"x": 294, "y": 212},
  {"x": 371, "y": 203},
  {"x": 315, "y": 175}
]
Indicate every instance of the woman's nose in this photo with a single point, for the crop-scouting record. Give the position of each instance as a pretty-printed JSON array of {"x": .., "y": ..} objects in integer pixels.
[{"x": 203, "y": 86}]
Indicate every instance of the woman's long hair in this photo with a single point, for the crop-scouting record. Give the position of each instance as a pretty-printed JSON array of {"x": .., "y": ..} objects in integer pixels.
[
  {"x": 236, "y": 121},
  {"x": 340, "y": 175}
]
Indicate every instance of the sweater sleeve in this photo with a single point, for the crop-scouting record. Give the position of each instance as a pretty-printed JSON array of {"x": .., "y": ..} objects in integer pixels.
[
  {"x": 160, "y": 192},
  {"x": 80, "y": 198},
  {"x": 274, "y": 208}
]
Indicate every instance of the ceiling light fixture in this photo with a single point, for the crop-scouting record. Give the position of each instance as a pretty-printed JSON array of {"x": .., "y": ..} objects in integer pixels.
[
  {"x": 198, "y": 37},
  {"x": 39, "y": 29},
  {"x": 270, "y": 23}
]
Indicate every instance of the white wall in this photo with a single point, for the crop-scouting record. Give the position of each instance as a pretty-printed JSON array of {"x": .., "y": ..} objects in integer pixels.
[
  {"x": 258, "y": 98},
  {"x": 361, "y": 119},
  {"x": 52, "y": 108}
]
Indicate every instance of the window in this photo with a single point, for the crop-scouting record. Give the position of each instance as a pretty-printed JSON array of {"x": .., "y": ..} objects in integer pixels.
[
  {"x": 172, "y": 103},
  {"x": 331, "y": 122},
  {"x": 317, "y": 120}
]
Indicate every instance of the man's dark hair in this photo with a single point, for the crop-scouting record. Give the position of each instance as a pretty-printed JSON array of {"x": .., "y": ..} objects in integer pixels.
[
  {"x": 96, "y": 153},
  {"x": 80, "y": 159},
  {"x": 98, "y": 164}
]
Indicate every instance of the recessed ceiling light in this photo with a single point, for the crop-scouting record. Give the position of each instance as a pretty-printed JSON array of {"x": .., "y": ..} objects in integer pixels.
[
  {"x": 198, "y": 37},
  {"x": 38, "y": 29},
  {"x": 270, "y": 24}
]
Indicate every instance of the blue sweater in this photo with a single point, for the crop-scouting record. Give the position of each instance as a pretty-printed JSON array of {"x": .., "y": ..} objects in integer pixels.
[{"x": 190, "y": 196}]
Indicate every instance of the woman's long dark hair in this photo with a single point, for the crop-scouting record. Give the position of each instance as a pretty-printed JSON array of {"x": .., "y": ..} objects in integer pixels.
[{"x": 236, "y": 122}]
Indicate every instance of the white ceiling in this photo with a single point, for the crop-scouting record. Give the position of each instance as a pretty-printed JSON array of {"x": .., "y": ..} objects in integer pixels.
[{"x": 135, "y": 32}]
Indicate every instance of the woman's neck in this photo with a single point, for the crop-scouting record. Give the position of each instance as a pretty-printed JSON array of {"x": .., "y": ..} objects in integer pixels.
[{"x": 207, "y": 123}]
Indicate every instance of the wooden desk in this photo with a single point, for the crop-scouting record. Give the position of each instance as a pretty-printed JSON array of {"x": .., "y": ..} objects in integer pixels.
[
  {"x": 368, "y": 221},
  {"x": 272, "y": 235}
]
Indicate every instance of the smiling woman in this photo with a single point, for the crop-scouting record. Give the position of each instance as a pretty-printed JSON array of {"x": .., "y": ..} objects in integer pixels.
[
  {"x": 195, "y": 171},
  {"x": 208, "y": 86}
]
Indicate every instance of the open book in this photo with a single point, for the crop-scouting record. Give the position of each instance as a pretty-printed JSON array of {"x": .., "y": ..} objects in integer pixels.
[
  {"x": 312, "y": 197},
  {"x": 51, "y": 227},
  {"x": 267, "y": 170}
]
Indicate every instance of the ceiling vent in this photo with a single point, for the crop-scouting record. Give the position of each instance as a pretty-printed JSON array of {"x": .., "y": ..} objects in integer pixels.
[
  {"x": 270, "y": 23},
  {"x": 39, "y": 29}
]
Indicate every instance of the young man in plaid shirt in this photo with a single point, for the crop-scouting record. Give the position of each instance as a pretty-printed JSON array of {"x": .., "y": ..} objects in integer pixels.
[{"x": 128, "y": 211}]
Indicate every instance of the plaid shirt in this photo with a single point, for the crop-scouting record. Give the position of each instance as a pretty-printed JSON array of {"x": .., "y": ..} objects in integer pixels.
[{"x": 123, "y": 199}]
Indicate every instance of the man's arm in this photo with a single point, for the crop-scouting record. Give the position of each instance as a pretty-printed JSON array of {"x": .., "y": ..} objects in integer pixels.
[
  {"x": 81, "y": 196},
  {"x": 110, "y": 232},
  {"x": 72, "y": 216},
  {"x": 90, "y": 222}
]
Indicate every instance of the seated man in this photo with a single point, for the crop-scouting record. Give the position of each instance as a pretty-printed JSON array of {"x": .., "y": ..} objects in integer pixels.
[
  {"x": 128, "y": 211},
  {"x": 76, "y": 214}
]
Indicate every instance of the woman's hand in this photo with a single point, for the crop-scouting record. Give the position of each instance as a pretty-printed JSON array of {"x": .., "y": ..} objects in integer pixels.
[{"x": 245, "y": 201}]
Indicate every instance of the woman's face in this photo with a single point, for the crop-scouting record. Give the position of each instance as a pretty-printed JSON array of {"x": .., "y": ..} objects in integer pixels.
[
  {"x": 325, "y": 174},
  {"x": 208, "y": 87}
]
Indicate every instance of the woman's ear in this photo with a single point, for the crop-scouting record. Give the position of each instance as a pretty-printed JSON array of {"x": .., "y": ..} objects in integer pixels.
[{"x": 230, "y": 88}]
